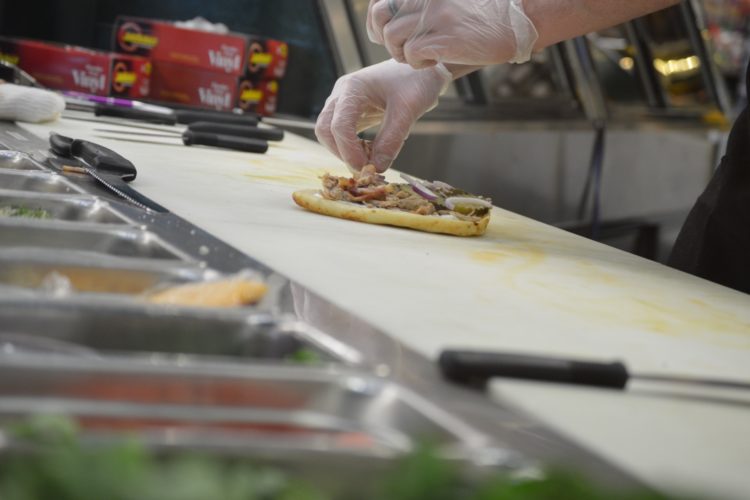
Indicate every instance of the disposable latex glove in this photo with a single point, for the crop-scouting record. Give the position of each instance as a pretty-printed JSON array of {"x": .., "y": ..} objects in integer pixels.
[
  {"x": 390, "y": 93},
  {"x": 469, "y": 32}
]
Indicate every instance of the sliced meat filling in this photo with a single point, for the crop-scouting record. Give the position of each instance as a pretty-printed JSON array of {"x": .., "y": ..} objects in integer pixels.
[
  {"x": 402, "y": 197},
  {"x": 371, "y": 189},
  {"x": 367, "y": 185}
]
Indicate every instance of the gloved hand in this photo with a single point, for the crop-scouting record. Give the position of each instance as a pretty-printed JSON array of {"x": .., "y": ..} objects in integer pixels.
[
  {"x": 392, "y": 93},
  {"x": 471, "y": 32}
]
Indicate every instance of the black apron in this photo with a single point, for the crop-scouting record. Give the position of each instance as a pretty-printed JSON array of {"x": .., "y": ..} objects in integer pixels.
[{"x": 714, "y": 243}]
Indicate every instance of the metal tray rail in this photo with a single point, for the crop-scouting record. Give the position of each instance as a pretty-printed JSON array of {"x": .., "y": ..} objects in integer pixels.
[
  {"x": 343, "y": 408},
  {"x": 165, "y": 333},
  {"x": 38, "y": 182},
  {"x": 121, "y": 242},
  {"x": 15, "y": 160},
  {"x": 72, "y": 208},
  {"x": 64, "y": 271}
]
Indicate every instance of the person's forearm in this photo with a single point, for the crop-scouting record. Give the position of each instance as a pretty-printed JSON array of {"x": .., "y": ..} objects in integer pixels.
[{"x": 558, "y": 20}]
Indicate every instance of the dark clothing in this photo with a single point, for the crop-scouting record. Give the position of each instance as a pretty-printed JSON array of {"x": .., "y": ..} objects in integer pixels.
[{"x": 714, "y": 243}]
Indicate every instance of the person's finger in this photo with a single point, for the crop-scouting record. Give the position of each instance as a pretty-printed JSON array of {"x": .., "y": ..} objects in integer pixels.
[
  {"x": 325, "y": 118},
  {"x": 370, "y": 118},
  {"x": 349, "y": 109},
  {"x": 426, "y": 50},
  {"x": 323, "y": 126},
  {"x": 397, "y": 125},
  {"x": 378, "y": 15},
  {"x": 397, "y": 32},
  {"x": 368, "y": 22}
]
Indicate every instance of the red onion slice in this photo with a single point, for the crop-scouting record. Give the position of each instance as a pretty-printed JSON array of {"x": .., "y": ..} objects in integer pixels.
[
  {"x": 419, "y": 187},
  {"x": 453, "y": 201}
]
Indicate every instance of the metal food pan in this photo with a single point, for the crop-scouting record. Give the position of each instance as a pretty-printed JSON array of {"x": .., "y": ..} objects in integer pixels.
[
  {"x": 119, "y": 241},
  {"x": 62, "y": 208},
  {"x": 159, "y": 333},
  {"x": 272, "y": 407},
  {"x": 62, "y": 272},
  {"x": 38, "y": 182},
  {"x": 14, "y": 160},
  {"x": 335, "y": 473}
]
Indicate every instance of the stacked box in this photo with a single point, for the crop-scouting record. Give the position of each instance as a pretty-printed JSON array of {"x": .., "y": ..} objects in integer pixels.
[
  {"x": 266, "y": 66},
  {"x": 183, "y": 85},
  {"x": 65, "y": 67},
  {"x": 207, "y": 70},
  {"x": 258, "y": 96},
  {"x": 266, "y": 59}
]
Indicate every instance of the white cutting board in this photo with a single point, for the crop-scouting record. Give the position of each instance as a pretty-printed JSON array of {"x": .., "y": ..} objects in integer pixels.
[{"x": 524, "y": 286}]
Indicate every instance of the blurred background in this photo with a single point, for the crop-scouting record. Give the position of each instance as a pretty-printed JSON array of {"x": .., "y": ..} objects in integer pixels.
[{"x": 612, "y": 135}]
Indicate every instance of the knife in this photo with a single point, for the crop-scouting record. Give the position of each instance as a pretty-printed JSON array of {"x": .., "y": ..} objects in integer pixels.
[
  {"x": 286, "y": 123},
  {"x": 182, "y": 116},
  {"x": 135, "y": 114},
  {"x": 475, "y": 368},
  {"x": 104, "y": 165},
  {"x": 267, "y": 134},
  {"x": 189, "y": 138},
  {"x": 192, "y": 138}
]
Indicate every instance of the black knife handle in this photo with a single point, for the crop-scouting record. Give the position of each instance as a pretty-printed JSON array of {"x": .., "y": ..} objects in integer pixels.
[
  {"x": 191, "y": 138},
  {"x": 103, "y": 159},
  {"x": 95, "y": 156},
  {"x": 134, "y": 114},
  {"x": 60, "y": 145},
  {"x": 267, "y": 134},
  {"x": 186, "y": 117},
  {"x": 476, "y": 368}
]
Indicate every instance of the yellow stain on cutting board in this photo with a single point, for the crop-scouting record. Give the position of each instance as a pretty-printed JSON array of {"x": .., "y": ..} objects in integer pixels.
[
  {"x": 609, "y": 288},
  {"x": 519, "y": 258}
]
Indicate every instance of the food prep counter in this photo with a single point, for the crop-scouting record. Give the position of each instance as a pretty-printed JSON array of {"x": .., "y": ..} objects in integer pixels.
[{"x": 382, "y": 303}]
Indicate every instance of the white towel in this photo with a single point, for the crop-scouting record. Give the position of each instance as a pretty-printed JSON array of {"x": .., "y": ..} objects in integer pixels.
[{"x": 28, "y": 104}]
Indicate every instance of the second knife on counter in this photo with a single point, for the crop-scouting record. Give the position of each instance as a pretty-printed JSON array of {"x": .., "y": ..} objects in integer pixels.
[
  {"x": 221, "y": 135},
  {"x": 476, "y": 368},
  {"x": 174, "y": 116}
]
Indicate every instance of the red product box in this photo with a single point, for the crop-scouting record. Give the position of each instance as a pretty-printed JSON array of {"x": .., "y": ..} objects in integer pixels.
[
  {"x": 266, "y": 59},
  {"x": 163, "y": 41},
  {"x": 207, "y": 89},
  {"x": 65, "y": 67},
  {"x": 232, "y": 53},
  {"x": 188, "y": 86},
  {"x": 258, "y": 97}
]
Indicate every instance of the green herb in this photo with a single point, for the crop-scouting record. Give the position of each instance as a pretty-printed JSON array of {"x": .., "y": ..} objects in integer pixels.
[
  {"x": 33, "y": 213},
  {"x": 61, "y": 467},
  {"x": 305, "y": 356},
  {"x": 423, "y": 475}
]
